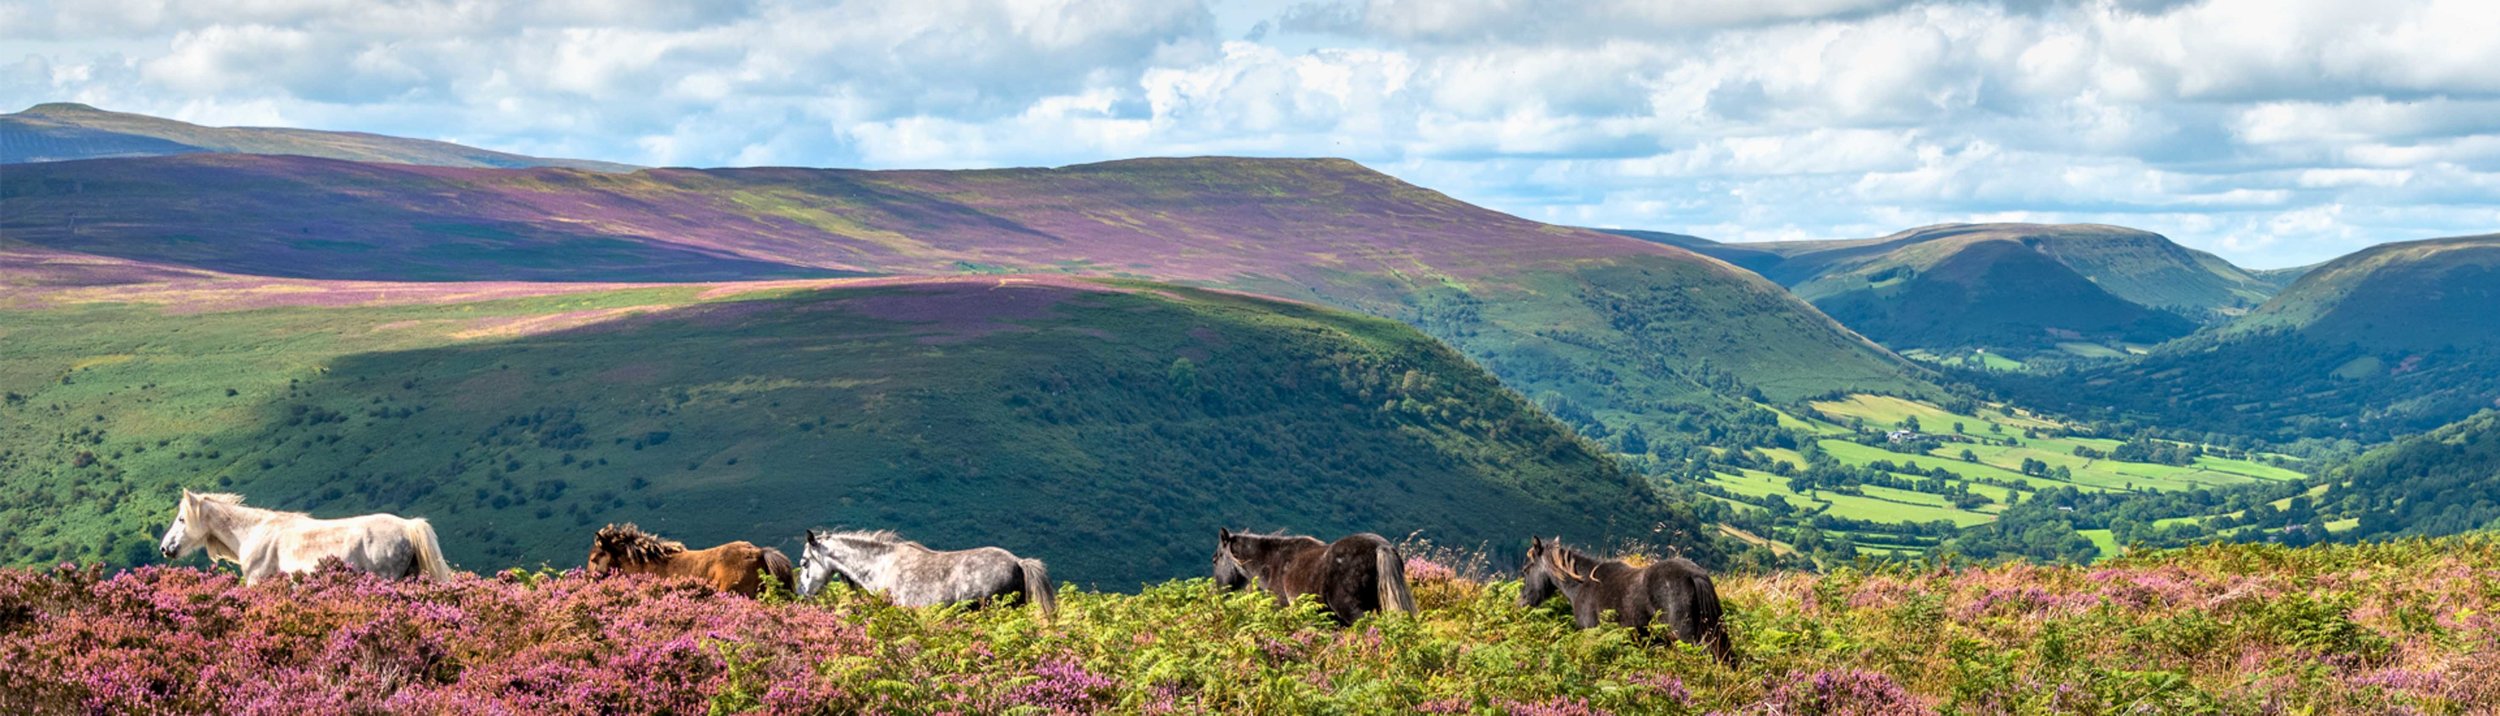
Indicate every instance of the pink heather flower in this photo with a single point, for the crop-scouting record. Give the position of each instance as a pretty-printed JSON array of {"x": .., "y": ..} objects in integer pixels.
[
  {"x": 1847, "y": 692},
  {"x": 1065, "y": 687},
  {"x": 1419, "y": 569}
]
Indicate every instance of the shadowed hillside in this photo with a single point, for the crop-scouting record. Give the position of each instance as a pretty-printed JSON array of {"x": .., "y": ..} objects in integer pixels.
[
  {"x": 64, "y": 131},
  {"x": 1624, "y": 334},
  {"x": 1107, "y": 429}
]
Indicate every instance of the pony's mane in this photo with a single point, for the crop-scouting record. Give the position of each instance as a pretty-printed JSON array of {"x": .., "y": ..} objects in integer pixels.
[
  {"x": 632, "y": 544},
  {"x": 879, "y": 536},
  {"x": 230, "y": 499},
  {"x": 1278, "y": 535},
  {"x": 1575, "y": 562}
]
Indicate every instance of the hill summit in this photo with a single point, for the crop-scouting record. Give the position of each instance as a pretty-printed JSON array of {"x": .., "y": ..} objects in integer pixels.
[{"x": 62, "y": 131}]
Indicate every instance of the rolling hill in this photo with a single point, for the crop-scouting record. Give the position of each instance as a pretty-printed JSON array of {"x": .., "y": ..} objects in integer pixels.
[
  {"x": 1107, "y": 427},
  {"x": 65, "y": 131},
  {"x": 2436, "y": 483},
  {"x": 2010, "y": 289},
  {"x": 1616, "y": 333},
  {"x": 2398, "y": 338}
]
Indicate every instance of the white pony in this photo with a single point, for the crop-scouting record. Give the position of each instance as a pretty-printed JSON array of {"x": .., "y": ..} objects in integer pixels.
[
  {"x": 268, "y": 543},
  {"x": 916, "y": 576}
]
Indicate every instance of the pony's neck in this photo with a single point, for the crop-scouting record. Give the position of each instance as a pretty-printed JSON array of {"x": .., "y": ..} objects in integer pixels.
[
  {"x": 1275, "y": 556},
  {"x": 866, "y": 562},
  {"x": 1575, "y": 563},
  {"x": 224, "y": 523}
]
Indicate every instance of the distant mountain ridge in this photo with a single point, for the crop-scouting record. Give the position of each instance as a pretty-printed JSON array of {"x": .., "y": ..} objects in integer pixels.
[
  {"x": 64, "y": 131},
  {"x": 2005, "y": 288}
]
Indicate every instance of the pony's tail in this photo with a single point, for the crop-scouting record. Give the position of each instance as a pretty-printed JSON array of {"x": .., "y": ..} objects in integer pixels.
[
  {"x": 1391, "y": 567},
  {"x": 1713, "y": 630},
  {"x": 778, "y": 566},
  {"x": 429, "y": 552},
  {"x": 1037, "y": 590}
]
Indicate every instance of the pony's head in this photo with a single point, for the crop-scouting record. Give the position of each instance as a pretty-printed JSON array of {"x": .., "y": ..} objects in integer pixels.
[
  {"x": 619, "y": 546},
  {"x": 1228, "y": 571},
  {"x": 1548, "y": 566},
  {"x": 815, "y": 564},
  {"x": 189, "y": 532},
  {"x": 821, "y": 563}
]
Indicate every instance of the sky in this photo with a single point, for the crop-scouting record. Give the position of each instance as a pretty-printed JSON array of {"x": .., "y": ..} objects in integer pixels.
[{"x": 2272, "y": 132}]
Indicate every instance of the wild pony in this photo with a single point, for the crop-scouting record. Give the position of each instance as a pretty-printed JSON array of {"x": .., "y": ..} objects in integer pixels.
[
  {"x": 1361, "y": 573},
  {"x": 733, "y": 567},
  {"x": 1674, "y": 593},
  {"x": 913, "y": 575},
  {"x": 268, "y": 543}
]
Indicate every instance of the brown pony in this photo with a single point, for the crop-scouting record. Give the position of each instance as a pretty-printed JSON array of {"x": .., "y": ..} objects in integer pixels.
[
  {"x": 1674, "y": 593},
  {"x": 734, "y": 567},
  {"x": 1359, "y": 574}
]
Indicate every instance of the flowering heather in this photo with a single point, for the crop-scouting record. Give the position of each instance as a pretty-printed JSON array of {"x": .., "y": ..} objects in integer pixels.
[{"x": 2383, "y": 628}]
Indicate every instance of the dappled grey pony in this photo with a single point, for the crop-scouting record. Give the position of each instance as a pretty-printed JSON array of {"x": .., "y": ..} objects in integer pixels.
[
  {"x": 1674, "y": 593},
  {"x": 1360, "y": 574},
  {"x": 915, "y": 576},
  {"x": 268, "y": 543}
]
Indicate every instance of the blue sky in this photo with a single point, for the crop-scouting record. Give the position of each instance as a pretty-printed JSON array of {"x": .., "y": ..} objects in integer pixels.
[{"x": 2273, "y": 132}]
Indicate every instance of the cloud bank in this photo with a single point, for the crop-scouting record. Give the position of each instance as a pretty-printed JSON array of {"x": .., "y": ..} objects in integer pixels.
[{"x": 2274, "y": 132}]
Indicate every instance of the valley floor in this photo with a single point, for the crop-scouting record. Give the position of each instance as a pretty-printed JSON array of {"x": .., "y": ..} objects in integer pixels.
[{"x": 2379, "y": 628}]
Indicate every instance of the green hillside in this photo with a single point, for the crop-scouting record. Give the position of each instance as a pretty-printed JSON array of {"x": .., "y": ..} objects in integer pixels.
[
  {"x": 1623, "y": 337},
  {"x": 2135, "y": 266},
  {"x": 64, "y": 131},
  {"x": 2395, "y": 339},
  {"x": 2443, "y": 482},
  {"x": 1998, "y": 295},
  {"x": 2419, "y": 295},
  {"x": 1105, "y": 428}
]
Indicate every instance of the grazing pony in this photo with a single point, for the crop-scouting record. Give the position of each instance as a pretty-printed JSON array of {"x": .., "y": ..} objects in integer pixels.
[
  {"x": 734, "y": 567},
  {"x": 1674, "y": 593},
  {"x": 268, "y": 543},
  {"x": 913, "y": 575},
  {"x": 1359, "y": 574}
]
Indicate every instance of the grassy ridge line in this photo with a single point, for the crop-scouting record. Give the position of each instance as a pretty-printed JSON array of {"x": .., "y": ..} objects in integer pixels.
[
  {"x": 65, "y": 131},
  {"x": 2382, "y": 628}
]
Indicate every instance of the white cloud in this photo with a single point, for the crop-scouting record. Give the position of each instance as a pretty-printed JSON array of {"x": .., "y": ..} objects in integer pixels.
[{"x": 2274, "y": 131}]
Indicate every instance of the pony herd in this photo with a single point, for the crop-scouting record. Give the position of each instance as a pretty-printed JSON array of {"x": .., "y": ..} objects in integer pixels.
[{"x": 1351, "y": 577}]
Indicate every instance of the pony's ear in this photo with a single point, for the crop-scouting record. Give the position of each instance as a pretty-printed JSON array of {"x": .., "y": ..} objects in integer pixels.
[{"x": 1223, "y": 534}]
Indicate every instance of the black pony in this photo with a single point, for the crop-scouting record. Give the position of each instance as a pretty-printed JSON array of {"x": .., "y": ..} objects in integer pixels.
[
  {"x": 1675, "y": 593},
  {"x": 1359, "y": 574}
]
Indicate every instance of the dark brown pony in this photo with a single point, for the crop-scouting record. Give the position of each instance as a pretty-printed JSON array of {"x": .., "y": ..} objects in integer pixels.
[
  {"x": 1674, "y": 593},
  {"x": 734, "y": 567},
  {"x": 1359, "y": 574}
]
